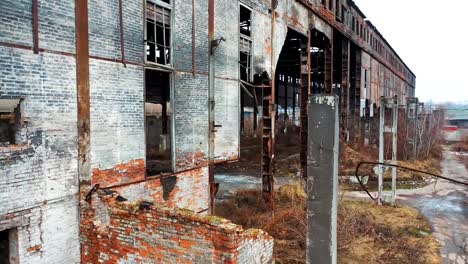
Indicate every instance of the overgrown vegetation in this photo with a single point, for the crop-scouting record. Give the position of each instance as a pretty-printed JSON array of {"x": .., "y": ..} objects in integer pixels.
[{"x": 367, "y": 233}]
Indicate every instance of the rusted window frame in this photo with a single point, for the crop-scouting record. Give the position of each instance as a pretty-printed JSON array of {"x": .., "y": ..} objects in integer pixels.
[
  {"x": 246, "y": 38},
  {"x": 171, "y": 46}
]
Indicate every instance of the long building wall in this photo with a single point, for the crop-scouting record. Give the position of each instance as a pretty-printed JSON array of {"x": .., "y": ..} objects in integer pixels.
[{"x": 38, "y": 174}]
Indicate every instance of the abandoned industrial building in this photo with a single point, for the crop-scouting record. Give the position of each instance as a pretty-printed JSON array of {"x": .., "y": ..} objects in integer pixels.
[{"x": 114, "y": 114}]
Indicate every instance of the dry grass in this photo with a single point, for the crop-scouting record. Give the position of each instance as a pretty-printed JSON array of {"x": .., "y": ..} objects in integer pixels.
[
  {"x": 461, "y": 146},
  {"x": 350, "y": 158},
  {"x": 367, "y": 233}
]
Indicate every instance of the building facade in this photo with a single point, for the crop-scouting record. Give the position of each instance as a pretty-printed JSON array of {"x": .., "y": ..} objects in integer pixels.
[{"x": 106, "y": 103}]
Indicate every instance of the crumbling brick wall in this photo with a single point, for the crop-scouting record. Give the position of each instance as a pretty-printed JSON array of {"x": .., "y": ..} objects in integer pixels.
[{"x": 115, "y": 230}]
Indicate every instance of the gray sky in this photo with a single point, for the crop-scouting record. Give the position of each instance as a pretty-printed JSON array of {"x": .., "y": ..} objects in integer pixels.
[{"x": 432, "y": 39}]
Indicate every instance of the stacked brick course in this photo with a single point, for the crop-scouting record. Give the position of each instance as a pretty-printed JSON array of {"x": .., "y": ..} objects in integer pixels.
[{"x": 125, "y": 232}]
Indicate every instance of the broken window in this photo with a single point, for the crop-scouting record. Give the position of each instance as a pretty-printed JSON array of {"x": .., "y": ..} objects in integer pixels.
[
  {"x": 158, "y": 31},
  {"x": 245, "y": 22},
  {"x": 344, "y": 14},
  {"x": 158, "y": 113},
  {"x": 245, "y": 43},
  {"x": 9, "y": 121}
]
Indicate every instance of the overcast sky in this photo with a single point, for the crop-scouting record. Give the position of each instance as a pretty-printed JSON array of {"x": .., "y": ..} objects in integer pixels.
[{"x": 432, "y": 39}]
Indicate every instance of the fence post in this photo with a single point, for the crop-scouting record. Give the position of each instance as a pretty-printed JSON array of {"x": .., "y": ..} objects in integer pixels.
[{"x": 322, "y": 180}]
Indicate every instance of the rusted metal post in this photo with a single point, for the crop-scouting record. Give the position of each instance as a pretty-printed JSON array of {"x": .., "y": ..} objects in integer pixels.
[
  {"x": 270, "y": 183},
  {"x": 305, "y": 92},
  {"x": 194, "y": 58},
  {"x": 122, "y": 35},
  {"x": 35, "y": 24},
  {"x": 322, "y": 182},
  {"x": 83, "y": 100},
  {"x": 211, "y": 105}
]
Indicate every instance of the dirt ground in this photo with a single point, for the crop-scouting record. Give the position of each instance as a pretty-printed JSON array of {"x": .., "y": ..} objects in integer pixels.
[{"x": 367, "y": 233}]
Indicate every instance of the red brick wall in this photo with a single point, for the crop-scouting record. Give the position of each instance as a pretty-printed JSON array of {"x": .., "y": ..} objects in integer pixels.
[
  {"x": 188, "y": 190},
  {"x": 113, "y": 231},
  {"x": 132, "y": 171}
]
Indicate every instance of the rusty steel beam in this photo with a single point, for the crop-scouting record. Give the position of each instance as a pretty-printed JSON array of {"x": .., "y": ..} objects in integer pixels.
[
  {"x": 122, "y": 37},
  {"x": 35, "y": 24},
  {"x": 83, "y": 100},
  {"x": 306, "y": 90},
  {"x": 194, "y": 69},
  {"x": 211, "y": 105},
  {"x": 268, "y": 182}
]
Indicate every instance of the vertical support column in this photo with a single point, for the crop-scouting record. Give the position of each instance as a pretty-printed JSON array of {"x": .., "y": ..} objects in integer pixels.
[
  {"x": 329, "y": 68},
  {"x": 194, "y": 45},
  {"x": 381, "y": 148},
  {"x": 305, "y": 92},
  {"x": 35, "y": 23},
  {"x": 122, "y": 34},
  {"x": 271, "y": 145},
  {"x": 211, "y": 105},
  {"x": 357, "y": 100},
  {"x": 83, "y": 100},
  {"x": 416, "y": 127},
  {"x": 345, "y": 89},
  {"x": 322, "y": 183},
  {"x": 394, "y": 146}
]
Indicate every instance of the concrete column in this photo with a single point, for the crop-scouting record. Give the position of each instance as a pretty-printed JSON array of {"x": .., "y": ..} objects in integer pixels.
[
  {"x": 381, "y": 148},
  {"x": 394, "y": 147},
  {"x": 322, "y": 180}
]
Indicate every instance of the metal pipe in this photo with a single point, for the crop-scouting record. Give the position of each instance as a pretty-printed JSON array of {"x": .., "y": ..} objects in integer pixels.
[
  {"x": 35, "y": 22},
  {"x": 193, "y": 40},
  {"x": 270, "y": 197},
  {"x": 122, "y": 37},
  {"x": 211, "y": 105}
]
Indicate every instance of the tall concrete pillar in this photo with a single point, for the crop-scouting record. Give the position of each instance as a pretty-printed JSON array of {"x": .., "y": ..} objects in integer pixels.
[{"x": 322, "y": 180}]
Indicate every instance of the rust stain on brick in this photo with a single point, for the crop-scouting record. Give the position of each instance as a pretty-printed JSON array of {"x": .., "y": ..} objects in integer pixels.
[{"x": 33, "y": 249}]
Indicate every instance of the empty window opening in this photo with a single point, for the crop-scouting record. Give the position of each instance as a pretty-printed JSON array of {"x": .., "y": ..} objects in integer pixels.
[
  {"x": 249, "y": 109},
  {"x": 158, "y": 32},
  {"x": 245, "y": 22},
  {"x": 8, "y": 247},
  {"x": 337, "y": 63},
  {"x": 158, "y": 113},
  {"x": 245, "y": 44},
  {"x": 288, "y": 82},
  {"x": 320, "y": 45},
  {"x": 337, "y": 9},
  {"x": 10, "y": 121}
]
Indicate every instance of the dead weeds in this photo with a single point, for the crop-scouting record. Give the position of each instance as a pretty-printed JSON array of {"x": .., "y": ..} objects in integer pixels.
[{"x": 367, "y": 233}]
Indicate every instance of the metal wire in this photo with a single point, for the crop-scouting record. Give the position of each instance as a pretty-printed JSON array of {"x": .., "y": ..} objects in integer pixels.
[{"x": 400, "y": 167}]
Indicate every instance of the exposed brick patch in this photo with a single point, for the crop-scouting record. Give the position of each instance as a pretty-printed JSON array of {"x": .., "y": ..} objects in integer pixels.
[
  {"x": 132, "y": 171},
  {"x": 138, "y": 231},
  {"x": 184, "y": 190}
]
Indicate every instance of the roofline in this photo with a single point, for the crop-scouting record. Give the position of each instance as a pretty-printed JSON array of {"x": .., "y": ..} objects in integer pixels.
[{"x": 388, "y": 44}]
